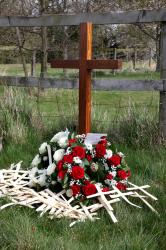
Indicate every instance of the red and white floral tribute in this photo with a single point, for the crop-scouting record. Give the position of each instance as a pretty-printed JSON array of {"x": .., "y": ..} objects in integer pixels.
[{"x": 77, "y": 166}]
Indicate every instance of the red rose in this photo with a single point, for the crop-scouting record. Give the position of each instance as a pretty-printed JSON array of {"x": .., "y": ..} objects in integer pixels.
[
  {"x": 77, "y": 173},
  {"x": 106, "y": 189},
  {"x": 68, "y": 158},
  {"x": 59, "y": 165},
  {"x": 89, "y": 157},
  {"x": 100, "y": 150},
  {"x": 89, "y": 189},
  {"x": 121, "y": 186},
  {"x": 61, "y": 174},
  {"x": 109, "y": 176},
  {"x": 121, "y": 174},
  {"x": 71, "y": 141},
  {"x": 86, "y": 182},
  {"x": 76, "y": 189},
  {"x": 103, "y": 142},
  {"x": 115, "y": 160},
  {"x": 79, "y": 151}
]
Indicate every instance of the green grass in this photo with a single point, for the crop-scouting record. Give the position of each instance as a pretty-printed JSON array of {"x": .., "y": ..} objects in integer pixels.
[
  {"x": 21, "y": 228},
  {"x": 138, "y": 229},
  {"x": 142, "y": 72}
]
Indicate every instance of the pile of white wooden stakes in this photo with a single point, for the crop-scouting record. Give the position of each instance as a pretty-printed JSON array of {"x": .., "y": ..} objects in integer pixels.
[{"x": 14, "y": 185}]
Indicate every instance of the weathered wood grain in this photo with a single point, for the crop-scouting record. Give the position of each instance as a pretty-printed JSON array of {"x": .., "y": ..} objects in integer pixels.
[
  {"x": 69, "y": 64},
  {"x": 99, "y": 84},
  {"x": 104, "y": 64},
  {"x": 85, "y": 78},
  {"x": 126, "y": 17}
]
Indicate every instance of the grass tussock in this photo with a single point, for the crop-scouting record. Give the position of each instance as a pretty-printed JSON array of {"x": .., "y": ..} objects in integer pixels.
[
  {"x": 137, "y": 127},
  {"x": 133, "y": 125},
  {"x": 17, "y": 115}
]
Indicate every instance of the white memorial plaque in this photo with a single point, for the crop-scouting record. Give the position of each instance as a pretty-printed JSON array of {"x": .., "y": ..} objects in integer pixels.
[{"x": 93, "y": 138}]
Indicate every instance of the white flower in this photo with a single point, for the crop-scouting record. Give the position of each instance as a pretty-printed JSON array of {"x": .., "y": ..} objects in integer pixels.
[
  {"x": 69, "y": 193},
  {"x": 32, "y": 183},
  {"x": 51, "y": 169},
  {"x": 32, "y": 172},
  {"x": 89, "y": 146},
  {"x": 106, "y": 166},
  {"x": 53, "y": 182},
  {"x": 54, "y": 149},
  {"x": 45, "y": 158},
  {"x": 107, "y": 182},
  {"x": 59, "y": 135},
  {"x": 72, "y": 183},
  {"x": 113, "y": 173},
  {"x": 36, "y": 161},
  {"x": 68, "y": 151},
  {"x": 58, "y": 155},
  {"x": 113, "y": 182},
  {"x": 94, "y": 167},
  {"x": 108, "y": 154},
  {"x": 42, "y": 180},
  {"x": 110, "y": 183},
  {"x": 81, "y": 136},
  {"x": 43, "y": 148},
  {"x": 63, "y": 141},
  {"x": 42, "y": 171},
  {"x": 77, "y": 160},
  {"x": 121, "y": 154}
]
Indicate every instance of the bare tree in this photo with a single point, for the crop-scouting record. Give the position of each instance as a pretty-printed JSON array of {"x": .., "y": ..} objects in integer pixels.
[{"x": 43, "y": 7}]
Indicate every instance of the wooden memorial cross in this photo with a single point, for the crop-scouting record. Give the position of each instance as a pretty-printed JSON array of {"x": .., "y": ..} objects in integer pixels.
[{"x": 85, "y": 64}]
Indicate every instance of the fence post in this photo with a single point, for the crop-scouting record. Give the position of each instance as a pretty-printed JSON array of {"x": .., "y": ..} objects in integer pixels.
[{"x": 162, "y": 106}]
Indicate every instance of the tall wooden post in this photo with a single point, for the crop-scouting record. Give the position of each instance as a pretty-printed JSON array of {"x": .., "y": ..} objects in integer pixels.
[
  {"x": 85, "y": 64},
  {"x": 85, "y": 78},
  {"x": 162, "y": 111}
]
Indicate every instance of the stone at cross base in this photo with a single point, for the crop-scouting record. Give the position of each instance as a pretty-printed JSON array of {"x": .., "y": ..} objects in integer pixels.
[{"x": 86, "y": 64}]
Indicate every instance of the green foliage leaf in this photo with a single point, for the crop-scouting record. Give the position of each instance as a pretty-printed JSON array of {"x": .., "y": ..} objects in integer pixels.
[
  {"x": 54, "y": 176},
  {"x": 113, "y": 148},
  {"x": 85, "y": 162},
  {"x": 65, "y": 181}
]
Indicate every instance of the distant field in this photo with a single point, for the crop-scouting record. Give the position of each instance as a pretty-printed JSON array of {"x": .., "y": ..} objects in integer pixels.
[{"x": 142, "y": 72}]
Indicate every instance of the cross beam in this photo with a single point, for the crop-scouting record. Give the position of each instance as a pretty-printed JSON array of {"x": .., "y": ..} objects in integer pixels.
[{"x": 85, "y": 64}]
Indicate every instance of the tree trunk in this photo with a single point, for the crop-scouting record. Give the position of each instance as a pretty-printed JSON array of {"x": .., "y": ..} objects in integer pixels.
[
  {"x": 33, "y": 63},
  {"x": 134, "y": 58},
  {"x": 43, "y": 72},
  {"x": 115, "y": 57},
  {"x": 65, "y": 55},
  {"x": 65, "y": 50},
  {"x": 21, "y": 52},
  {"x": 150, "y": 58},
  {"x": 158, "y": 39}
]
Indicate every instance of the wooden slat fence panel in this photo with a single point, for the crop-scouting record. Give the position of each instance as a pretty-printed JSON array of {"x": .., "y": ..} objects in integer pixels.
[
  {"x": 121, "y": 17},
  {"x": 103, "y": 84}
]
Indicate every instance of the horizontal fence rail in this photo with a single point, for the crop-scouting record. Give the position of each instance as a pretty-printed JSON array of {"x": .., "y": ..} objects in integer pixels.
[
  {"x": 98, "y": 84},
  {"x": 121, "y": 17}
]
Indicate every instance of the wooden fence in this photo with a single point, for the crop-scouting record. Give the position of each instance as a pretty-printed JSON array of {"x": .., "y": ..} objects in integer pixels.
[{"x": 131, "y": 17}]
